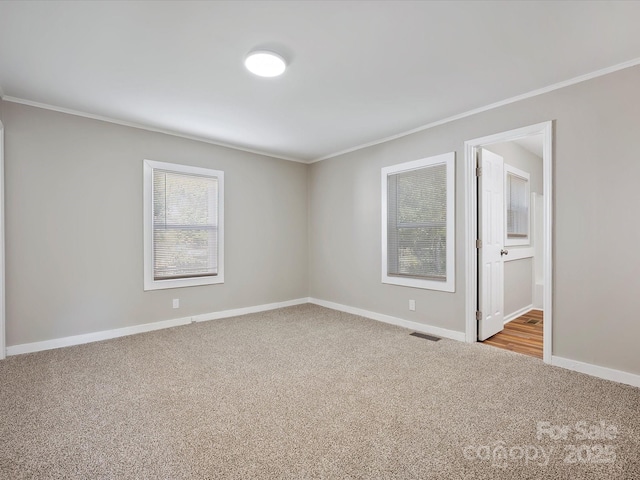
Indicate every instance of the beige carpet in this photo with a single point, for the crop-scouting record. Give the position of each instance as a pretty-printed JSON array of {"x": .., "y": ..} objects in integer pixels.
[{"x": 306, "y": 392}]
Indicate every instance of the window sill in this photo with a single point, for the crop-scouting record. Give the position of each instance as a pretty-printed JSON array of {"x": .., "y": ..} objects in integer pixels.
[
  {"x": 442, "y": 286},
  {"x": 182, "y": 282}
]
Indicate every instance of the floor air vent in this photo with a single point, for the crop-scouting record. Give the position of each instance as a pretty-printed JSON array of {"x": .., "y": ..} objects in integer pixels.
[{"x": 425, "y": 336}]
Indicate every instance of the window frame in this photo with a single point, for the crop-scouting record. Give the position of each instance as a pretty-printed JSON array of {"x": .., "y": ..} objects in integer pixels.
[
  {"x": 517, "y": 240},
  {"x": 447, "y": 285},
  {"x": 149, "y": 282}
]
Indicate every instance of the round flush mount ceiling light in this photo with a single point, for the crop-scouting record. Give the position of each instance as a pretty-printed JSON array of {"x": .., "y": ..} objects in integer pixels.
[{"x": 265, "y": 63}]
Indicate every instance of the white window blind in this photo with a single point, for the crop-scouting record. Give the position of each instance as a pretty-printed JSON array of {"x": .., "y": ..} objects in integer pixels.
[
  {"x": 517, "y": 195},
  {"x": 185, "y": 225},
  {"x": 418, "y": 214},
  {"x": 417, "y": 221}
]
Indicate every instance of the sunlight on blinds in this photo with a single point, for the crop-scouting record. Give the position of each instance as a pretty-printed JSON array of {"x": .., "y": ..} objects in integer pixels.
[{"x": 185, "y": 225}]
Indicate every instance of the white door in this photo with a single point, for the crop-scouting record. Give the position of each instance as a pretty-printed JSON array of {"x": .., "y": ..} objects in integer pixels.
[{"x": 491, "y": 230}]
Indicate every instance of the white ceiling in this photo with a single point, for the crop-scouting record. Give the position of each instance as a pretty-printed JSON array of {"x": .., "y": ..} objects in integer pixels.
[{"x": 359, "y": 71}]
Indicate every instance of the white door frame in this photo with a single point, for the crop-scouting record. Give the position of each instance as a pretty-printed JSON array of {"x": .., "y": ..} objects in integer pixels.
[
  {"x": 471, "y": 227},
  {"x": 3, "y": 346}
]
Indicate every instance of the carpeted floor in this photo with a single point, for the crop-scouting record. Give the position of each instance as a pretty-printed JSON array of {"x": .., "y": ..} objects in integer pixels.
[{"x": 307, "y": 392}]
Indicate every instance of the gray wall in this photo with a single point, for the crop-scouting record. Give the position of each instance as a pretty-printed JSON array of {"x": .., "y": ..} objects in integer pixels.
[
  {"x": 518, "y": 285},
  {"x": 74, "y": 226},
  {"x": 74, "y": 223},
  {"x": 596, "y": 261},
  {"x": 518, "y": 274},
  {"x": 521, "y": 158}
]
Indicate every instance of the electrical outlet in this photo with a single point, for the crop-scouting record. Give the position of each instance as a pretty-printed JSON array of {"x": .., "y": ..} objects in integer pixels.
[
  {"x": 412, "y": 305},
  {"x": 176, "y": 303}
]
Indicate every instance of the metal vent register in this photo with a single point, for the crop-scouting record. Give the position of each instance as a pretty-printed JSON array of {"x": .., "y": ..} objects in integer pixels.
[{"x": 425, "y": 336}]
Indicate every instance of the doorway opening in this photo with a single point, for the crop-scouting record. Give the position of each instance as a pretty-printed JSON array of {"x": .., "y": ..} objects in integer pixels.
[{"x": 508, "y": 231}]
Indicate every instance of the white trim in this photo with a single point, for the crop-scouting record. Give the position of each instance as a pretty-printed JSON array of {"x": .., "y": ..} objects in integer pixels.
[
  {"x": 95, "y": 336},
  {"x": 468, "y": 113},
  {"x": 400, "y": 322},
  {"x": 148, "y": 128},
  {"x": 3, "y": 344},
  {"x": 146, "y": 327},
  {"x": 589, "y": 369},
  {"x": 547, "y": 240},
  {"x": 449, "y": 284},
  {"x": 236, "y": 312},
  {"x": 470, "y": 212},
  {"x": 597, "y": 371},
  {"x": 149, "y": 282},
  {"x": 471, "y": 236},
  {"x": 519, "y": 254},
  {"x": 517, "y": 313}
]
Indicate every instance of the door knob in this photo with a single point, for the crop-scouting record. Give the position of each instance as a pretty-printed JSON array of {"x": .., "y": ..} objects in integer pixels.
[{"x": 504, "y": 252}]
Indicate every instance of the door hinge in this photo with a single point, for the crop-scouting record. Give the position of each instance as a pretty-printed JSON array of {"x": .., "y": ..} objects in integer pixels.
[
  {"x": 478, "y": 243},
  {"x": 478, "y": 171},
  {"x": 478, "y": 165},
  {"x": 478, "y": 315}
]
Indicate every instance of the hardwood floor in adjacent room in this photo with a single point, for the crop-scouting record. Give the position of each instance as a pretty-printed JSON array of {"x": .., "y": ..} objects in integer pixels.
[{"x": 522, "y": 335}]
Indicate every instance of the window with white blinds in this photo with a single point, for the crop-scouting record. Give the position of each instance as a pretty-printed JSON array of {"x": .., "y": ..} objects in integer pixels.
[
  {"x": 516, "y": 190},
  {"x": 183, "y": 225},
  {"x": 418, "y": 223}
]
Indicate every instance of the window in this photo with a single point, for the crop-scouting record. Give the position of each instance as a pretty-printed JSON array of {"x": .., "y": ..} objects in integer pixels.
[
  {"x": 516, "y": 192},
  {"x": 183, "y": 226},
  {"x": 418, "y": 223}
]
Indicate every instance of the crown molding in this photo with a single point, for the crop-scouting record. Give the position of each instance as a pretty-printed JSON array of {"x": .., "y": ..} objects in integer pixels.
[
  {"x": 148, "y": 128},
  {"x": 517, "y": 98}
]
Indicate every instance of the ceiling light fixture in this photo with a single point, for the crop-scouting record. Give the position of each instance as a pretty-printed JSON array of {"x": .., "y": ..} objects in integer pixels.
[{"x": 265, "y": 63}]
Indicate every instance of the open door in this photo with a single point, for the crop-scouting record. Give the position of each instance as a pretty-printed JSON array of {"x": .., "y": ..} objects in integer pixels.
[{"x": 491, "y": 235}]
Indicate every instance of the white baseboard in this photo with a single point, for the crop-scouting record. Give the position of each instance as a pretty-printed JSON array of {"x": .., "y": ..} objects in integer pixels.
[
  {"x": 400, "y": 322},
  {"x": 146, "y": 327},
  {"x": 95, "y": 336},
  {"x": 517, "y": 313},
  {"x": 597, "y": 371},
  {"x": 247, "y": 310},
  {"x": 589, "y": 369}
]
